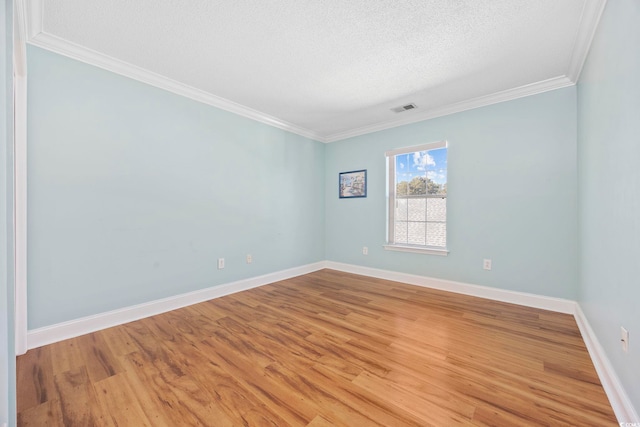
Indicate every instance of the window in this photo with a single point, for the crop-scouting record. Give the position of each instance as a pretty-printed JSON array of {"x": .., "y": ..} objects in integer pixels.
[{"x": 418, "y": 199}]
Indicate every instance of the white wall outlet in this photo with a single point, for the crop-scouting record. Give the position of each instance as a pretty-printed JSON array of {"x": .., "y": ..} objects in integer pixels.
[
  {"x": 249, "y": 259},
  {"x": 486, "y": 264},
  {"x": 365, "y": 250},
  {"x": 220, "y": 263},
  {"x": 624, "y": 339}
]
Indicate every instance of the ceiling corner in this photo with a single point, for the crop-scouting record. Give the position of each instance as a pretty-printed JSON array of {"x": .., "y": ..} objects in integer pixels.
[
  {"x": 482, "y": 101},
  {"x": 581, "y": 25},
  {"x": 37, "y": 37},
  {"x": 33, "y": 10},
  {"x": 586, "y": 31}
]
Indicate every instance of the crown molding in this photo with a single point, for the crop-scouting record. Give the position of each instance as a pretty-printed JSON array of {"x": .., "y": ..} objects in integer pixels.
[
  {"x": 482, "y": 101},
  {"x": 91, "y": 57},
  {"x": 589, "y": 20},
  {"x": 33, "y": 11}
]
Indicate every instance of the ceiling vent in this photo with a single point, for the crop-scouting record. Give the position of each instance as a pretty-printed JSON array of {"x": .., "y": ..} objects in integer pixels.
[{"x": 404, "y": 108}]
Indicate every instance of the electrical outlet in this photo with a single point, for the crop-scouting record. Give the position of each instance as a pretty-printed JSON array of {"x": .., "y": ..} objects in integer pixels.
[
  {"x": 365, "y": 250},
  {"x": 624, "y": 339},
  {"x": 249, "y": 259},
  {"x": 220, "y": 263},
  {"x": 486, "y": 264}
]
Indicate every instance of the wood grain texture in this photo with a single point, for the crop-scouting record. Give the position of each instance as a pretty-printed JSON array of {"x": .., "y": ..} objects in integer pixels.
[{"x": 324, "y": 349}]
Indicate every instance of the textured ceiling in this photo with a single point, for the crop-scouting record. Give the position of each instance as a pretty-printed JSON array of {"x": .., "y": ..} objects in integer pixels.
[{"x": 331, "y": 68}]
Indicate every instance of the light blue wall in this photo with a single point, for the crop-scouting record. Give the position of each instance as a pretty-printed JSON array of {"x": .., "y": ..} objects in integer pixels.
[
  {"x": 135, "y": 192},
  {"x": 609, "y": 188},
  {"x": 7, "y": 347},
  {"x": 511, "y": 196}
]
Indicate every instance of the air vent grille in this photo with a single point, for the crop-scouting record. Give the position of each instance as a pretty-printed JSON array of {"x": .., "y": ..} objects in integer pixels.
[{"x": 404, "y": 108}]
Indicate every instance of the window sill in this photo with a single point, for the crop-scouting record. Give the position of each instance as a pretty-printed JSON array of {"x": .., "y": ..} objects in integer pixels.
[{"x": 417, "y": 249}]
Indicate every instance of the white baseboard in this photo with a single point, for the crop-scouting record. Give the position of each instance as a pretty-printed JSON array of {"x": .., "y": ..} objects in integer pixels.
[
  {"x": 620, "y": 402},
  {"x": 530, "y": 300},
  {"x": 74, "y": 328},
  {"x": 618, "y": 398}
]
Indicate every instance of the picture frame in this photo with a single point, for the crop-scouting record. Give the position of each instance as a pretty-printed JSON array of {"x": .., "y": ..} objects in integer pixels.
[{"x": 352, "y": 184}]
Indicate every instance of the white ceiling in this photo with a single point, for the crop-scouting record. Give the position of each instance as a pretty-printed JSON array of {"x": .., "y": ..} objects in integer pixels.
[{"x": 328, "y": 69}]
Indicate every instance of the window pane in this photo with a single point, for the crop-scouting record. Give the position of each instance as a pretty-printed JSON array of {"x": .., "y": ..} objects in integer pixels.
[
  {"x": 419, "y": 217},
  {"x": 417, "y": 209},
  {"x": 401, "y": 210},
  {"x": 436, "y": 234},
  {"x": 401, "y": 232},
  {"x": 436, "y": 209},
  {"x": 437, "y": 171},
  {"x": 403, "y": 165},
  {"x": 416, "y": 233}
]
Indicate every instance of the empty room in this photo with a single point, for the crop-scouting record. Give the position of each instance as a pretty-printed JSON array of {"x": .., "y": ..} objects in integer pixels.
[{"x": 322, "y": 213}]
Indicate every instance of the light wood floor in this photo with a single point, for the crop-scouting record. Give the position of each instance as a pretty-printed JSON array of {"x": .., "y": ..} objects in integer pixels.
[{"x": 323, "y": 349}]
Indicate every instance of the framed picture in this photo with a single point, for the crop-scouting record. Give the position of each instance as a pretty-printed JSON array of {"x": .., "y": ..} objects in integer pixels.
[{"x": 352, "y": 184}]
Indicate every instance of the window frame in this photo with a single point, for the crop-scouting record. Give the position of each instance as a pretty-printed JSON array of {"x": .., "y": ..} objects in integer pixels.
[{"x": 391, "y": 199}]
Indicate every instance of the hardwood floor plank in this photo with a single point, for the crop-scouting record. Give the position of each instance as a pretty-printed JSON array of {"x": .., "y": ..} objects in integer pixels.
[
  {"x": 154, "y": 392},
  {"x": 98, "y": 359},
  {"x": 66, "y": 356},
  {"x": 278, "y": 396},
  {"x": 219, "y": 389},
  {"x": 75, "y": 386},
  {"x": 118, "y": 400},
  {"x": 326, "y": 348},
  {"x": 46, "y": 414},
  {"x": 34, "y": 374},
  {"x": 485, "y": 415},
  {"x": 368, "y": 403},
  {"x": 436, "y": 405},
  {"x": 332, "y": 409},
  {"x": 339, "y": 349},
  {"x": 319, "y": 421}
]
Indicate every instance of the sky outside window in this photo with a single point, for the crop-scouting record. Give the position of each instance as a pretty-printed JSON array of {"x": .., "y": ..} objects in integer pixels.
[{"x": 432, "y": 164}]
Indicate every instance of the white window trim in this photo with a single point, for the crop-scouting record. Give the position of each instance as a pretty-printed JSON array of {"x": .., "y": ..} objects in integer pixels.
[
  {"x": 391, "y": 171},
  {"x": 416, "y": 249},
  {"x": 421, "y": 147}
]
